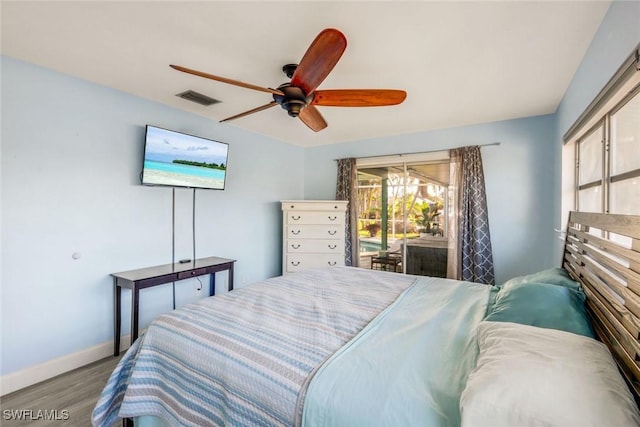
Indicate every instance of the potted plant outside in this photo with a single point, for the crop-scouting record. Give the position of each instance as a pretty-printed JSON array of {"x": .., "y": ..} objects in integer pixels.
[
  {"x": 373, "y": 229},
  {"x": 427, "y": 224}
]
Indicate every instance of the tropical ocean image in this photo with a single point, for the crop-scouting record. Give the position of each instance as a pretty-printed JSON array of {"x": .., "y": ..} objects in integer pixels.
[{"x": 177, "y": 159}]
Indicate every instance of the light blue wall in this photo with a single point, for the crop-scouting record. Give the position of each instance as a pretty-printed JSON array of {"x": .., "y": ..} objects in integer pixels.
[
  {"x": 519, "y": 180},
  {"x": 71, "y": 158},
  {"x": 617, "y": 36}
]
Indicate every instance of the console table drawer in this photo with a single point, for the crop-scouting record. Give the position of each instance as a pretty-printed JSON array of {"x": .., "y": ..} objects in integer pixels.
[{"x": 191, "y": 273}]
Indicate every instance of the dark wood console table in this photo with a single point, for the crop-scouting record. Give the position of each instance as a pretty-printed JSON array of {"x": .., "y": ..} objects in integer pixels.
[{"x": 160, "y": 275}]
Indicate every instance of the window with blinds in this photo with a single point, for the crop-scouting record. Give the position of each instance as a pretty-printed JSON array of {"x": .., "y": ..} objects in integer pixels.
[{"x": 606, "y": 140}]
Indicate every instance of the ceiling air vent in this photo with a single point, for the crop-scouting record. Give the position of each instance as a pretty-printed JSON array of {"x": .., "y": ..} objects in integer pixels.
[{"x": 198, "y": 98}]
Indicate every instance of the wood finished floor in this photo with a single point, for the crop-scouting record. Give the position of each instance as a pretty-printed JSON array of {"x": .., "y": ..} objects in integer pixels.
[{"x": 76, "y": 392}]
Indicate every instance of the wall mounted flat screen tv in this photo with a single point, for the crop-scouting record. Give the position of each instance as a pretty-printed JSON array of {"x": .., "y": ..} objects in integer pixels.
[{"x": 179, "y": 160}]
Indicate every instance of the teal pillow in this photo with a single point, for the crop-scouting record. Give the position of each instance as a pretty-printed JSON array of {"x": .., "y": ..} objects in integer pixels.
[
  {"x": 552, "y": 276},
  {"x": 543, "y": 305}
]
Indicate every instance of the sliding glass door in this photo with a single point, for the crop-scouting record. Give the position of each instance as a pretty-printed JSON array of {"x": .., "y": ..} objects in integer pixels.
[{"x": 402, "y": 214}]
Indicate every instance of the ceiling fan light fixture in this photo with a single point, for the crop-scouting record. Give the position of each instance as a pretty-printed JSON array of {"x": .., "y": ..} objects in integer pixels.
[{"x": 294, "y": 107}]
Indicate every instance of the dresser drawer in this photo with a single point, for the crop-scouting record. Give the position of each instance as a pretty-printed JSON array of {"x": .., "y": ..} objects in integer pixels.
[
  {"x": 297, "y": 262},
  {"x": 315, "y": 232},
  {"x": 315, "y": 217},
  {"x": 325, "y": 205},
  {"x": 331, "y": 246}
]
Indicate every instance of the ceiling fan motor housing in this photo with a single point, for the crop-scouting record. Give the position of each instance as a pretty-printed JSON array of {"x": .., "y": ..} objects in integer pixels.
[{"x": 293, "y": 100}]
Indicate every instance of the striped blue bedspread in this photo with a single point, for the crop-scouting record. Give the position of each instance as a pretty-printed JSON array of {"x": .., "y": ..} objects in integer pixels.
[{"x": 245, "y": 357}]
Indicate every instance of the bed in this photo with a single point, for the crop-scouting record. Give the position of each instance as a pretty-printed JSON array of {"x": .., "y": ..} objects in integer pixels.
[{"x": 345, "y": 346}]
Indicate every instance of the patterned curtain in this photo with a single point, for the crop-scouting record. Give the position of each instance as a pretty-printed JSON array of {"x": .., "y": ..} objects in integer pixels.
[
  {"x": 470, "y": 256},
  {"x": 346, "y": 190}
]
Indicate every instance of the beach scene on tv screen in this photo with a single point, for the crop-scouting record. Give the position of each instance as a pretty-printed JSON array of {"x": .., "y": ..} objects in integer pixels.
[{"x": 181, "y": 160}]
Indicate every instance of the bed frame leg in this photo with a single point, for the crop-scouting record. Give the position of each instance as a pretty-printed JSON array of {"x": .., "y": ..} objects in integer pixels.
[{"x": 127, "y": 422}]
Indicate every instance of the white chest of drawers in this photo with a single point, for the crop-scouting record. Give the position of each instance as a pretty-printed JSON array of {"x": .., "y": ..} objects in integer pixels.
[{"x": 313, "y": 234}]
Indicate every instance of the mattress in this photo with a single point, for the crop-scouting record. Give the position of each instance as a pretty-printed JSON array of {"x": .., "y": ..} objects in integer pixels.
[{"x": 333, "y": 346}]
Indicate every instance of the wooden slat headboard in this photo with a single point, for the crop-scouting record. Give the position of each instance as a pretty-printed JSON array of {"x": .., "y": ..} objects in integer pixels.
[{"x": 602, "y": 252}]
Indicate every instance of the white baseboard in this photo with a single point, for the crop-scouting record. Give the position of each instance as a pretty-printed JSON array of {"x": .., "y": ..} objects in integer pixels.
[{"x": 49, "y": 369}]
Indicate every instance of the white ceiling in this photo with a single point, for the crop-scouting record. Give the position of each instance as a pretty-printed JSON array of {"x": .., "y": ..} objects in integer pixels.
[{"x": 460, "y": 62}]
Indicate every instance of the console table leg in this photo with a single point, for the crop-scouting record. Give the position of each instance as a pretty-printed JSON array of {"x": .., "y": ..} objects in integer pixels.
[
  {"x": 135, "y": 293},
  {"x": 117, "y": 321},
  {"x": 212, "y": 284},
  {"x": 230, "y": 287}
]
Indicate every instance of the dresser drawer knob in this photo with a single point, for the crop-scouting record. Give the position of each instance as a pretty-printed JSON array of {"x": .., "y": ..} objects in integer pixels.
[
  {"x": 332, "y": 232},
  {"x": 332, "y": 218},
  {"x": 295, "y": 263},
  {"x": 331, "y": 263},
  {"x": 295, "y": 218},
  {"x": 295, "y": 246},
  {"x": 295, "y": 232},
  {"x": 332, "y": 246}
]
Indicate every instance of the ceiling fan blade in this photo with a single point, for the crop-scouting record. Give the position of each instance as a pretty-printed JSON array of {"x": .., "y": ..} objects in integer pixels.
[
  {"x": 358, "y": 97},
  {"x": 321, "y": 56},
  {"x": 246, "y": 113},
  {"x": 311, "y": 117},
  {"x": 226, "y": 80}
]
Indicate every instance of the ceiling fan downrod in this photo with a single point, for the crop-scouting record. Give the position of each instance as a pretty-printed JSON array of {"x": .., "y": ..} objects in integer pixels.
[{"x": 289, "y": 69}]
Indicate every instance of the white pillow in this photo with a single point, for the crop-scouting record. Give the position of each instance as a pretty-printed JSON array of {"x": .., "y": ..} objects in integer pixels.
[{"x": 528, "y": 376}]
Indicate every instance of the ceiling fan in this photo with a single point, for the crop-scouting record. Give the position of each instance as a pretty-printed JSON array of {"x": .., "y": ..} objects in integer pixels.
[{"x": 300, "y": 97}]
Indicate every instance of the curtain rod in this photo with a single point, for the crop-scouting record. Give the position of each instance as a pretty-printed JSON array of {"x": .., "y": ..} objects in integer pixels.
[{"x": 421, "y": 152}]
